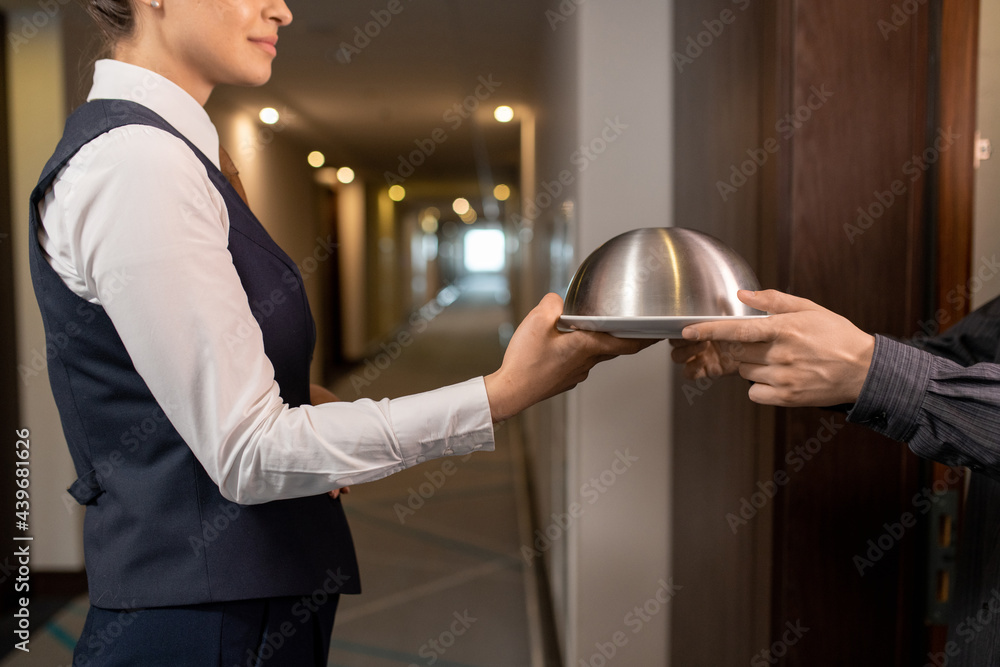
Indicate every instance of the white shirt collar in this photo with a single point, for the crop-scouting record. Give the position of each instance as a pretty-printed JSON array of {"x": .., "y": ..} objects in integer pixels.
[{"x": 116, "y": 80}]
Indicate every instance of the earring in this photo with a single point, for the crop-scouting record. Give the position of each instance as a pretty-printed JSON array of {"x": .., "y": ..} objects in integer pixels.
[{"x": 155, "y": 4}]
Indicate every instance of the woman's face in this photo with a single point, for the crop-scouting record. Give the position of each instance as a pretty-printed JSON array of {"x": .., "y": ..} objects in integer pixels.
[{"x": 209, "y": 42}]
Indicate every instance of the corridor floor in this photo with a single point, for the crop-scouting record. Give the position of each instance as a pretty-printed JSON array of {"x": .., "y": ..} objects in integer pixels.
[
  {"x": 443, "y": 579},
  {"x": 439, "y": 544}
]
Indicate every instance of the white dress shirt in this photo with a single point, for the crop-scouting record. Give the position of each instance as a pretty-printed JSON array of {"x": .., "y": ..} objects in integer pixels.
[{"x": 134, "y": 224}]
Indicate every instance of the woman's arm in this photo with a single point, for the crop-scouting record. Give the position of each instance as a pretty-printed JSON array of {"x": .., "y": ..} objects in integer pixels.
[
  {"x": 152, "y": 244},
  {"x": 317, "y": 396}
]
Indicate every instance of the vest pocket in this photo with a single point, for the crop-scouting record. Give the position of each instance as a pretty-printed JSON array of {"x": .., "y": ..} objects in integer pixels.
[{"x": 86, "y": 488}]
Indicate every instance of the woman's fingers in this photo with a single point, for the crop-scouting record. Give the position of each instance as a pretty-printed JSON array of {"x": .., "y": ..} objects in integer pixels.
[{"x": 541, "y": 361}]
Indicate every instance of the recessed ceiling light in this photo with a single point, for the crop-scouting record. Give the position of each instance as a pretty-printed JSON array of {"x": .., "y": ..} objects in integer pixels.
[
  {"x": 345, "y": 175},
  {"x": 269, "y": 115},
  {"x": 316, "y": 159},
  {"x": 503, "y": 113}
]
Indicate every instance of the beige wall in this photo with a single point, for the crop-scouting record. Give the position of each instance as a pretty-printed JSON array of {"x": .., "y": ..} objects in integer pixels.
[
  {"x": 548, "y": 139},
  {"x": 986, "y": 232},
  {"x": 353, "y": 271},
  {"x": 621, "y": 550},
  {"x": 283, "y": 195},
  {"x": 607, "y": 61},
  {"x": 37, "y": 102}
]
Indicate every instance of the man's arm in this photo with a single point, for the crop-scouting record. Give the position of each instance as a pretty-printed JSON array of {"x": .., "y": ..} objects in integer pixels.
[
  {"x": 974, "y": 339},
  {"x": 805, "y": 355}
]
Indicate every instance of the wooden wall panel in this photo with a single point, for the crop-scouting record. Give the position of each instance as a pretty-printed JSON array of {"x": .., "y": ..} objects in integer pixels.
[
  {"x": 856, "y": 151},
  {"x": 843, "y": 90},
  {"x": 724, "y": 106}
]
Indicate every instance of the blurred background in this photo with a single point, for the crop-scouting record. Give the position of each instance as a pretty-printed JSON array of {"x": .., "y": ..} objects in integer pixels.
[{"x": 435, "y": 167}]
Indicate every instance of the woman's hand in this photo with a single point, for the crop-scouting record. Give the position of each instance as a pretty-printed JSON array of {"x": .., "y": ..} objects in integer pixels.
[
  {"x": 541, "y": 362},
  {"x": 803, "y": 355},
  {"x": 317, "y": 396},
  {"x": 706, "y": 359}
]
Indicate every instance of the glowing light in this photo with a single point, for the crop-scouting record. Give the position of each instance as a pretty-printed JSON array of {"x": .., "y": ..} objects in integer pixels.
[
  {"x": 269, "y": 116},
  {"x": 397, "y": 192},
  {"x": 461, "y": 206},
  {"x": 501, "y": 192},
  {"x": 469, "y": 216},
  {"x": 316, "y": 159},
  {"x": 429, "y": 219},
  {"x": 345, "y": 175},
  {"x": 485, "y": 250},
  {"x": 429, "y": 224},
  {"x": 504, "y": 114}
]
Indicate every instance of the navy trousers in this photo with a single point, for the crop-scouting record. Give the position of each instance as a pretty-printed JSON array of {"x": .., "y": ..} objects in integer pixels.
[{"x": 268, "y": 632}]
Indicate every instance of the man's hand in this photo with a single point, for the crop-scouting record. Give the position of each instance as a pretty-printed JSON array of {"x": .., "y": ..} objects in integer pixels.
[
  {"x": 803, "y": 355},
  {"x": 541, "y": 362}
]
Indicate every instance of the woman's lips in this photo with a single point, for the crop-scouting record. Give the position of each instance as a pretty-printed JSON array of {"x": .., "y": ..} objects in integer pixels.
[{"x": 266, "y": 43}]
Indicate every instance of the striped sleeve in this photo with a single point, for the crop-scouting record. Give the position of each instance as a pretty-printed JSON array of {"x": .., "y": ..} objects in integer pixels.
[{"x": 945, "y": 411}]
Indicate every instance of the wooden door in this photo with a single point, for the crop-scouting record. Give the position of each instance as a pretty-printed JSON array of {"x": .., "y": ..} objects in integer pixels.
[
  {"x": 813, "y": 137},
  {"x": 859, "y": 226}
]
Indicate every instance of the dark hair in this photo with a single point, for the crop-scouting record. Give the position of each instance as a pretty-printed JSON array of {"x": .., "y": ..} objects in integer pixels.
[{"x": 115, "y": 18}]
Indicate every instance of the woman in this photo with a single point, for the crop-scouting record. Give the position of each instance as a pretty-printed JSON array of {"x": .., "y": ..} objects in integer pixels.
[{"x": 213, "y": 534}]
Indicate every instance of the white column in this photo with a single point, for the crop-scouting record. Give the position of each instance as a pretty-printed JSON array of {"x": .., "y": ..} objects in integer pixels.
[{"x": 620, "y": 546}]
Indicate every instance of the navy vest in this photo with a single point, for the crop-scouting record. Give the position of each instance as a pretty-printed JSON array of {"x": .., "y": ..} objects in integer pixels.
[{"x": 157, "y": 532}]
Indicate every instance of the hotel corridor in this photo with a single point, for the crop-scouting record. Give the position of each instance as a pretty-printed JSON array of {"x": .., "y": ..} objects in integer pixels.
[{"x": 439, "y": 544}]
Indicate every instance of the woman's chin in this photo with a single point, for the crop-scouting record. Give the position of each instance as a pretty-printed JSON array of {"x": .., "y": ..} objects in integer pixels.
[{"x": 252, "y": 77}]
